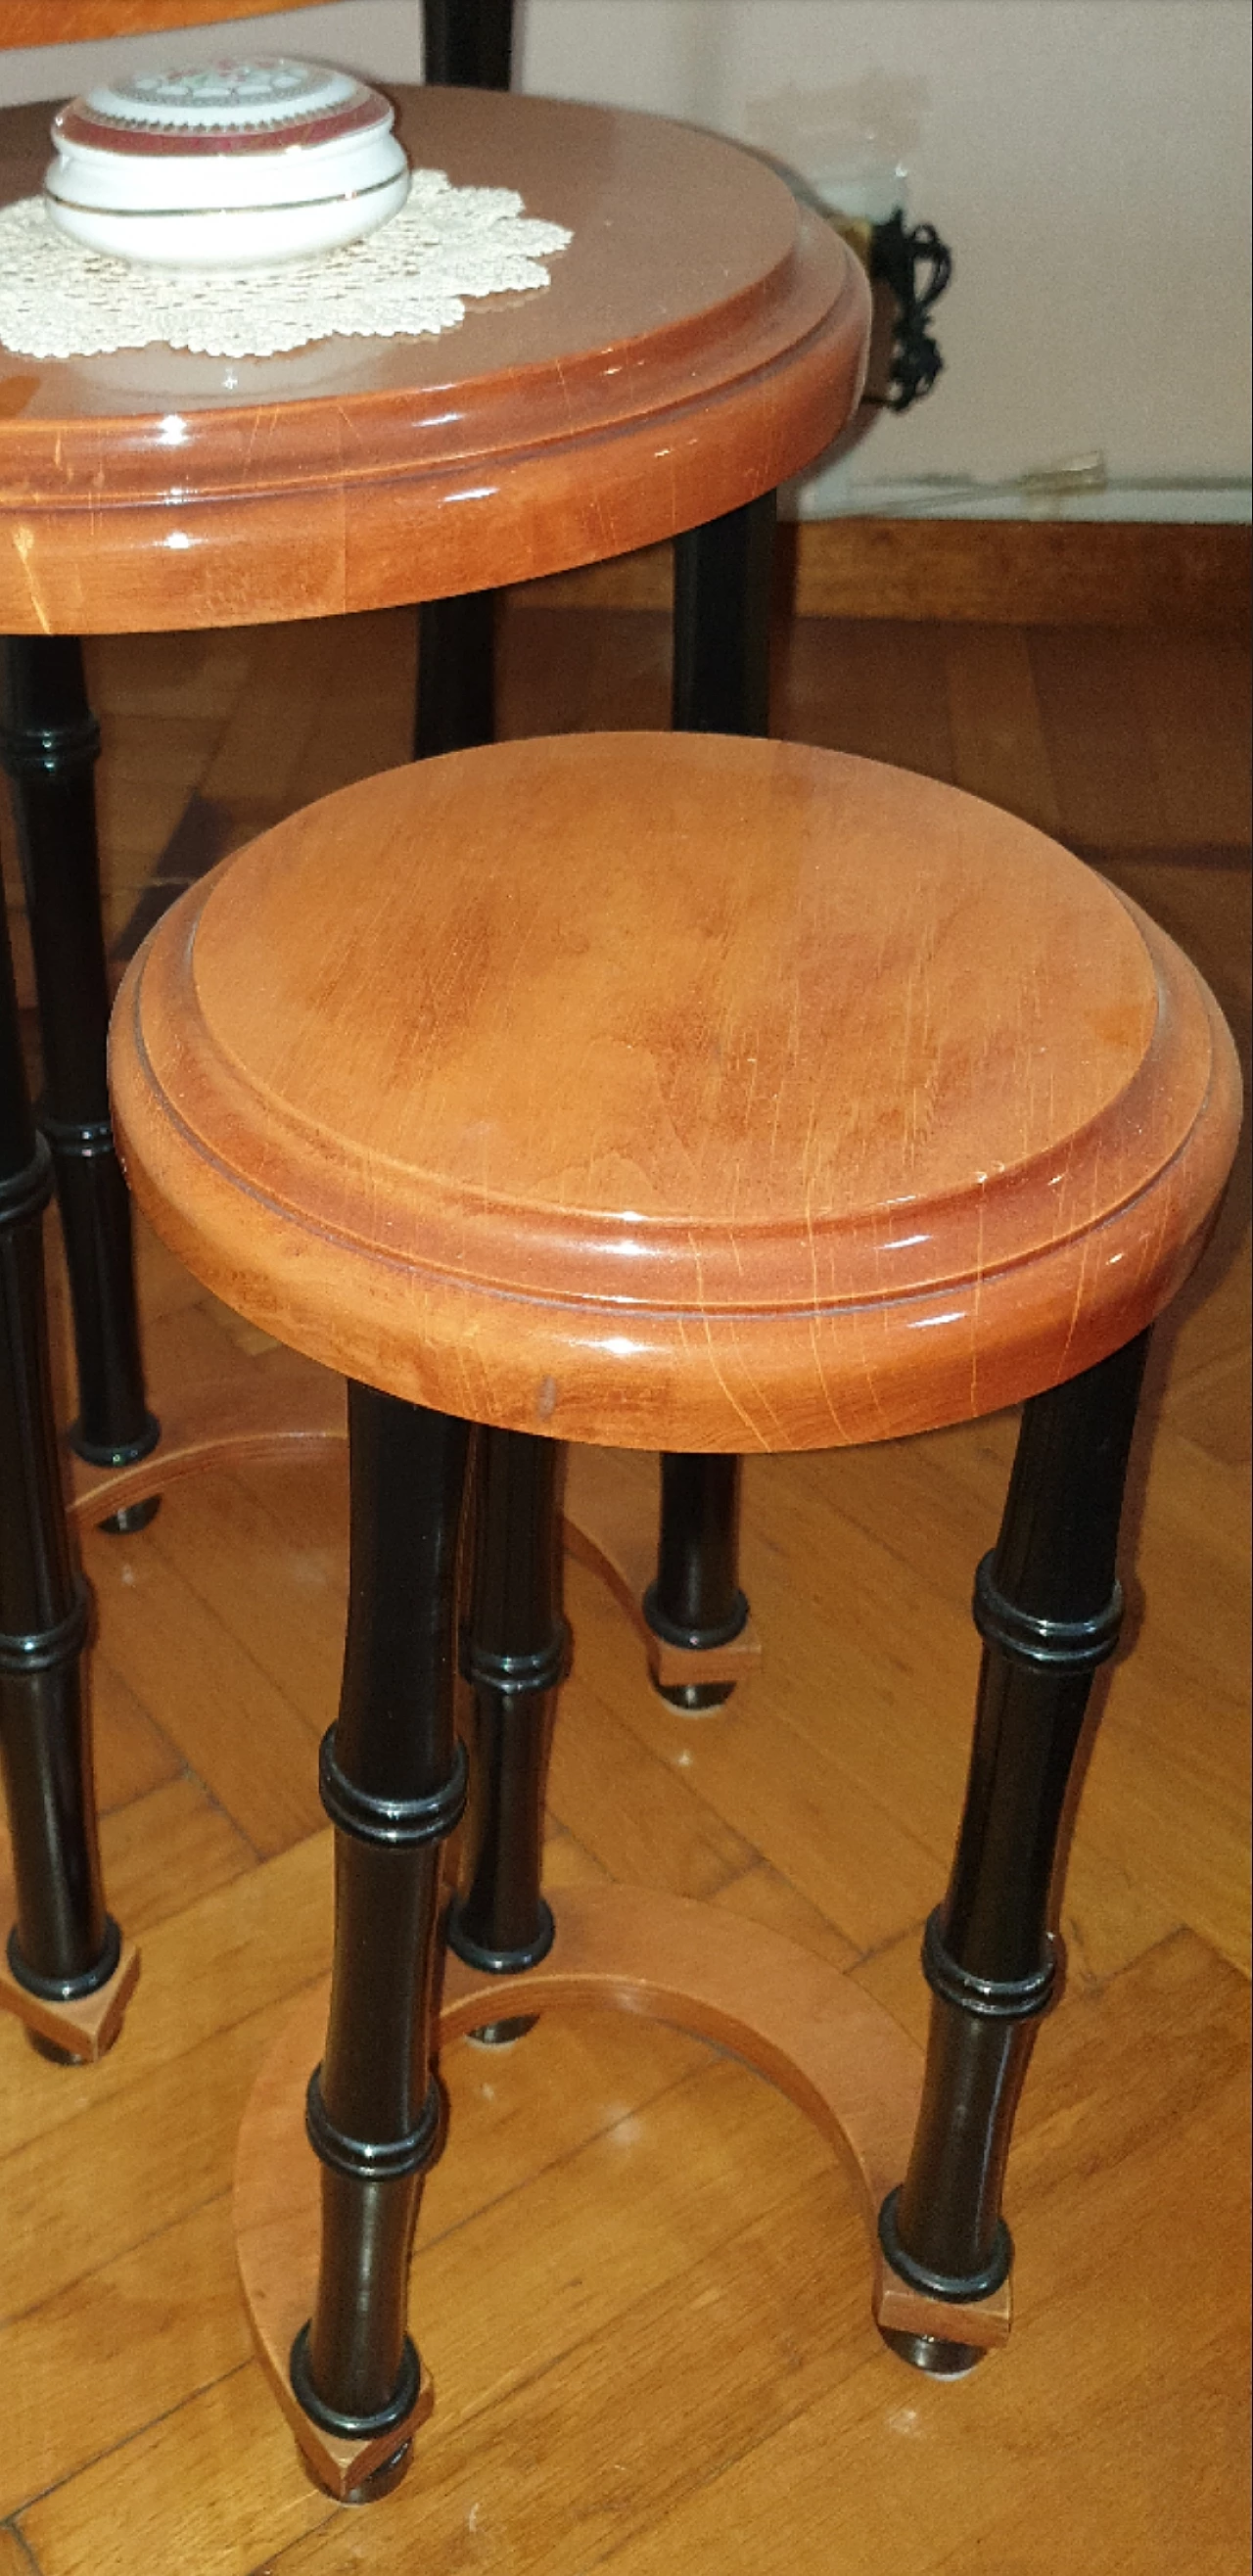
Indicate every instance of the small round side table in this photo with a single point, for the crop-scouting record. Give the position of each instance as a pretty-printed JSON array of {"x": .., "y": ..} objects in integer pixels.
[
  {"x": 637, "y": 1090},
  {"x": 701, "y": 339}
]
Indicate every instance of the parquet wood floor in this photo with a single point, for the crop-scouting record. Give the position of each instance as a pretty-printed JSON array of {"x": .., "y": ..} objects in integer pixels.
[{"x": 642, "y": 2284}]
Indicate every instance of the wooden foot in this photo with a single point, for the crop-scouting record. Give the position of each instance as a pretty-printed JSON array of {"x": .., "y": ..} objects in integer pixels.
[
  {"x": 84, "y": 2030},
  {"x": 828, "y": 2046},
  {"x": 899, "y": 2308},
  {"x": 606, "y": 1529}
]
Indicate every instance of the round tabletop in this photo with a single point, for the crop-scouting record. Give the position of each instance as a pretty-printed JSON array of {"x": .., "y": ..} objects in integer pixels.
[
  {"x": 722, "y": 1095},
  {"x": 701, "y": 339}
]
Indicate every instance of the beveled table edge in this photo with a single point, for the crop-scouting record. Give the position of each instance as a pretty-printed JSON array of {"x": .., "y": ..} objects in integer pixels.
[
  {"x": 650, "y": 1379},
  {"x": 325, "y": 505}
]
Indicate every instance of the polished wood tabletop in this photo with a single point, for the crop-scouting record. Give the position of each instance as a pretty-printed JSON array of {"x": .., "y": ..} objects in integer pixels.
[
  {"x": 701, "y": 339},
  {"x": 675, "y": 1092},
  {"x": 72, "y": 22}
]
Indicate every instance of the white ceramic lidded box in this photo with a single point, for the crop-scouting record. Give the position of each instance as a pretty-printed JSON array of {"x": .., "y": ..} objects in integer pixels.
[{"x": 232, "y": 165}]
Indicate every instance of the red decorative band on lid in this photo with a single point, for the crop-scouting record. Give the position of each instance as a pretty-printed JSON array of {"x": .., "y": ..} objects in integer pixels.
[
  {"x": 264, "y": 104},
  {"x": 79, "y": 124}
]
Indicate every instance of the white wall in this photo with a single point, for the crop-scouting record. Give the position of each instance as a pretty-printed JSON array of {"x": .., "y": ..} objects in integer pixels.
[{"x": 1086, "y": 159}]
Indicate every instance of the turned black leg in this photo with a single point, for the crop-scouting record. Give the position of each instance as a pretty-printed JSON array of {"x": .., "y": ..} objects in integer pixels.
[
  {"x": 467, "y": 44},
  {"x": 513, "y": 1656},
  {"x": 63, "y": 1944},
  {"x": 696, "y": 1600},
  {"x": 456, "y": 708},
  {"x": 393, "y": 1781},
  {"x": 721, "y": 666},
  {"x": 721, "y": 684},
  {"x": 1048, "y": 1607},
  {"x": 49, "y": 742}
]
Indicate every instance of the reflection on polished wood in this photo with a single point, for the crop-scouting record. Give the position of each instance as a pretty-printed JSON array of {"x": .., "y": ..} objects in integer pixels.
[
  {"x": 721, "y": 1096},
  {"x": 702, "y": 338},
  {"x": 826, "y": 2045}
]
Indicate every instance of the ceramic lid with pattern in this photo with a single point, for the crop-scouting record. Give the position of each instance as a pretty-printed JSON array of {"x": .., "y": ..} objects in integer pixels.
[{"x": 259, "y": 105}]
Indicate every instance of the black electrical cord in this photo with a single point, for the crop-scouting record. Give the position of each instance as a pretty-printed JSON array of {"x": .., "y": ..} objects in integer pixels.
[{"x": 896, "y": 258}]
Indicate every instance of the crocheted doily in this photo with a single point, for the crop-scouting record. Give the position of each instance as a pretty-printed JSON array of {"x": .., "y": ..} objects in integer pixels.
[{"x": 58, "y": 300}]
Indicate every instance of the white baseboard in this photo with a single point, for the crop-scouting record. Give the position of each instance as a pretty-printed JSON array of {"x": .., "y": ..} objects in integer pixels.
[{"x": 831, "y": 493}]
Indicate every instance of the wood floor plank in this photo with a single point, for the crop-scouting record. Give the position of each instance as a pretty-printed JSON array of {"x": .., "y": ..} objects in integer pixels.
[
  {"x": 844, "y": 1853},
  {"x": 878, "y": 690},
  {"x": 291, "y": 669},
  {"x": 138, "y": 814},
  {"x": 143, "y": 2160},
  {"x": 211, "y": 2487},
  {"x": 133, "y": 1757},
  {"x": 868, "y": 2476},
  {"x": 764, "y": 1895},
  {"x": 1207, "y": 2458},
  {"x": 524, "y": 2112},
  {"x": 1166, "y": 1796},
  {"x": 558, "y": 2473},
  {"x": 139, "y": 2335},
  {"x": 162, "y": 1852},
  {"x": 1110, "y": 2369},
  {"x": 893, "y": 1975},
  {"x": 1203, "y": 899},
  {"x": 567, "y": 1864},
  {"x": 137, "y": 752},
  {"x": 15, "y": 2558},
  {"x": 999, "y": 749},
  {"x": 559, "y": 674},
  {"x": 242, "y": 1736},
  {"x": 174, "y": 676},
  {"x": 365, "y": 711},
  {"x": 510, "y": 2110},
  {"x": 1192, "y": 694},
  {"x": 263, "y": 1936},
  {"x": 1103, "y": 761},
  {"x": 641, "y": 1818},
  {"x": 266, "y": 1552},
  {"x": 1209, "y": 1351},
  {"x": 559, "y": 2263},
  {"x": 593, "y": 2232}
]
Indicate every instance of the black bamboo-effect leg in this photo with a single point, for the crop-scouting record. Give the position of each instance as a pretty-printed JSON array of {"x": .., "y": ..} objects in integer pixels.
[
  {"x": 721, "y": 684},
  {"x": 513, "y": 1655},
  {"x": 467, "y": 44},
  {"x": 721, "y": 665},
  {"x": 49, "y": 743},
  {"x": 393, "y": 1781},
  {"x": 1048, "y": 1607},
  {"x": 696, "y": 1600},
  {"x": 63, "y": 1945},
  {"x": 456, "y": 708}
]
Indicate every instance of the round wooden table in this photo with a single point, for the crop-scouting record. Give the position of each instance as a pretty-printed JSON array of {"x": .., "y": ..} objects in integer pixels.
[{"x": 702, "y": 338}]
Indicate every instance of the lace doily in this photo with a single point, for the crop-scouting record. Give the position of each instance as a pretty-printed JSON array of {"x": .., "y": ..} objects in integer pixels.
[{"x": 58, "y": 300}]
